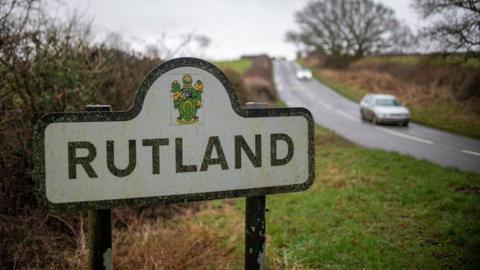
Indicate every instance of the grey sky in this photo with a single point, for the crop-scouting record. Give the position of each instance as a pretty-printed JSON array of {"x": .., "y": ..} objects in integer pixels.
[{"x": 235, "y": 27}]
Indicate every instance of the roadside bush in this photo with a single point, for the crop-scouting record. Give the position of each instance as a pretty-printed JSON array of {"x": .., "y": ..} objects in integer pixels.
[
  {"x": 52, "y": 66},
  {"x": 329, "y": 61},
  {"x": 48, "y": 66},
  {"x": 462, "y": 83},
  {"x": 236, "y": 80},
  {"x": 258, "y": 80}
]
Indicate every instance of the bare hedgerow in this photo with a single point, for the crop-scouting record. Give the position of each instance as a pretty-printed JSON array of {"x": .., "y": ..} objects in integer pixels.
[{"x": 48, "y": 66}]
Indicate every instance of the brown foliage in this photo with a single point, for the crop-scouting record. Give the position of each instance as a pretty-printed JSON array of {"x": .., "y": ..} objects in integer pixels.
[
  {"x": 258, "y": 80},
  {"x": 236, "y": 80},
  {"x": 329, "y": 61},
  {"x": 46, "y": 66},
  {"x": 379, "y": 82},
  {"x": 159, "y": 237},
  {"x": 154, "y": 246},
  {"x": 461, "y": 83}
]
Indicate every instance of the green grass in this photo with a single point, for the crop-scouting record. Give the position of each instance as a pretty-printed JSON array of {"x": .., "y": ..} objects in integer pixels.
[
  {"x": 447, "y": 116},
  {"x": 280, "y": 103},
  {"x": 371, "y": 209},
  {"x": 239, "y": 66}
]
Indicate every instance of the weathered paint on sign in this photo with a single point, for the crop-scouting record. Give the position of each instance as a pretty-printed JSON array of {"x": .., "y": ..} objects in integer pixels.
[{"x": 185, "y": 138}]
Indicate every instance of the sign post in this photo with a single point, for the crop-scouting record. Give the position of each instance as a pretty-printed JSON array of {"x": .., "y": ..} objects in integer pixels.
[
  {"x": 184, "y": 139},
  {"x": 255, "y": 257},
  {"x": 100, "y": 226},
  {"x": 255, "y": 232}
]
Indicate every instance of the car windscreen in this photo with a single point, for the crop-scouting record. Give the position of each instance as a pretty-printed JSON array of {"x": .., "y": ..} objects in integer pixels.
[{"x": 387, "y": 102}]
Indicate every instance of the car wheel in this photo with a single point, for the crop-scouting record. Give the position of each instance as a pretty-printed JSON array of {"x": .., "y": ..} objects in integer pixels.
[
  {"x": 405, "y": 124},
  {"x": 362, "y": 115},
  {"x": 374, "y": 120}
]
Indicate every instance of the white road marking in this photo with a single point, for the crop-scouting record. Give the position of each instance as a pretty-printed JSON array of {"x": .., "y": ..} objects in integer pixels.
[
  {"x": 470, "y": 152},
  {"x": 405, "y": 136},
  {"x": 348, "y": 116},
  {"x": 324, "y": 104}
]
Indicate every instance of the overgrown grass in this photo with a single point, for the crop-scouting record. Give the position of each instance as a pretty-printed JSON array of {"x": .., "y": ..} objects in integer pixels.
[
  {"x": 240, "y": 65},
  {"x": 352, "y": 94},
  {"x": 454, "y": 60},
  {"x": 355, "y": 94},
  {"x": 400, "y": 59},
  {"x": 367, "y": 209}
]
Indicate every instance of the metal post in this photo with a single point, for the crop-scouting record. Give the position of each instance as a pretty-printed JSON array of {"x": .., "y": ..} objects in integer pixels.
[
  {"x": 255, "y": 223},
  {"x": 255, "y": 233},
  {"x": 100, "y": 227}
]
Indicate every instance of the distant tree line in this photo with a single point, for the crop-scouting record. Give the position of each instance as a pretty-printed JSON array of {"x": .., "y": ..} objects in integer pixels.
[{"x": 358, "y": 28}]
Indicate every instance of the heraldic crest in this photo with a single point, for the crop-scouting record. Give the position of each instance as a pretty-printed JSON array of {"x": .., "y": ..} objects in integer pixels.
[{"x": 187, "y": 99}]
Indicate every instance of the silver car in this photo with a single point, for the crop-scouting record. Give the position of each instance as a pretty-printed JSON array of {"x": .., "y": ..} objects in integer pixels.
[
  {"x": 304, "y": 74},
  {"x": 380, "y": 108}
]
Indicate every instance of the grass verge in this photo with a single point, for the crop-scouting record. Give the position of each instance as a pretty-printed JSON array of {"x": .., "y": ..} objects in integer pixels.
[
  {"x": 375, "y": 209},
  {"x": 366, "y": 209}
]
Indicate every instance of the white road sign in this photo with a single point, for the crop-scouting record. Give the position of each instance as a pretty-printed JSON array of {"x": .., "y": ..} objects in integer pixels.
[{"x": 184, "y": 139}]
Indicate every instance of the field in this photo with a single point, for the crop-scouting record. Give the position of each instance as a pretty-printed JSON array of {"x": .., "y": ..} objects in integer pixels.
[
  {"x": 440, "y": 96},
  {"x": 366, "y": 209},
  {"x": 240, "y": 66}
]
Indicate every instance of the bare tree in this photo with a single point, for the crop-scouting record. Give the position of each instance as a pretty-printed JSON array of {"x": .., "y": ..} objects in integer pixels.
[
  {"x": 350, "y": 27},
  {"x": 455, "y": 24},
  {"x": 169, "y": 46}
]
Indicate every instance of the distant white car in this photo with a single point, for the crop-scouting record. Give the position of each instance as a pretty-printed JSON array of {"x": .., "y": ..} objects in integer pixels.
[
  {"x": 380, "y": 108},
  {"x": 304, "y": 74}
]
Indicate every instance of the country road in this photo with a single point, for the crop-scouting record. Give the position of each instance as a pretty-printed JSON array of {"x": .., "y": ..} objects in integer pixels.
[{"x": 335, "y": 112}]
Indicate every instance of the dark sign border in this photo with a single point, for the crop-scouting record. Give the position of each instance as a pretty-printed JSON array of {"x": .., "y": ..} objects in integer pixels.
[{"x": 43, "y": 122}]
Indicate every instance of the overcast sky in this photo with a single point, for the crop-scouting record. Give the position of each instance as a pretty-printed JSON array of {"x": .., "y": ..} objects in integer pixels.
[{"x": 234, "y": 27}]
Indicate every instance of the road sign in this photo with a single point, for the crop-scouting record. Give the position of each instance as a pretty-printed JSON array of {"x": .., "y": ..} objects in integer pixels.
[{"x": 184, "y": 139}]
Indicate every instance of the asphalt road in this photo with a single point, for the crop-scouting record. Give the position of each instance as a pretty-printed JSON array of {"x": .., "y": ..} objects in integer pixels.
[{"x": 333, "y": 111}]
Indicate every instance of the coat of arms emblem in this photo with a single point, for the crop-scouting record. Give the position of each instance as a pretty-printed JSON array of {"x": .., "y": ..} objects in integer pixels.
[{"x": 187, "y": 99}]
